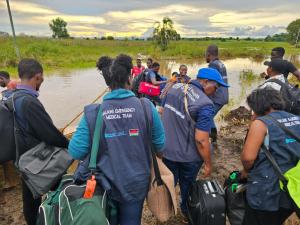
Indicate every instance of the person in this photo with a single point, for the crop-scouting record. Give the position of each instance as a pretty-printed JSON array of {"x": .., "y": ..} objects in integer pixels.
[
  {"x": 266, "y": 203},
  {"x": 6, "y": 83},
  {"x": 221, "y": 97},
  {"x": 180, "y": 77},
  {"x": 124, "y": 156},
  {"x": 138, "y": 69},
  {"x": 187, "y": 133},
  {"x": 155, "y": 78},
  {"x": 287, "y": 66},
  {"x": 149, "y": 63},
  {"x": 34, "y": 124},
  {"x": 274, "y": 71}
]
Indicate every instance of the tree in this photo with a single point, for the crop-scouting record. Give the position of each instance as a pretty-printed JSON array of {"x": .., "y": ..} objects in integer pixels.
[
  {"x": 110, "y": 38},
  {"x": 59, "y": 28},
  {"x": 293, "y": 30},
  {"x": 164, "y": 32}
]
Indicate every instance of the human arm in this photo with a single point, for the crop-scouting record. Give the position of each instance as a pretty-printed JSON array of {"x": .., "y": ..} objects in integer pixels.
[
  {"x": 203, "y": 127},
  {"x": 292, "y": 69},
  {"x": 41, "y": 124},
  {"x": 254, "y": 140},
  {"x": 153, "y": 80},
  {"x": 297, "y": 74},
  {"x": 79, "y": 145}
]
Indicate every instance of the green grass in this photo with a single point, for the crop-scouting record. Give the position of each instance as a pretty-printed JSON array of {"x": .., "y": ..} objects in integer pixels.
[{"x": 78, "y": 53}]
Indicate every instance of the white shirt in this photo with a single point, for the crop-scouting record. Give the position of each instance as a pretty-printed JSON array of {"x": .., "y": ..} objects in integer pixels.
[{"x": 274, "y": 85}]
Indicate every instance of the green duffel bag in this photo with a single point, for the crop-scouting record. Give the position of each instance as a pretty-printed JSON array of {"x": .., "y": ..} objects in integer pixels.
[{"x": 49, "y": 209}]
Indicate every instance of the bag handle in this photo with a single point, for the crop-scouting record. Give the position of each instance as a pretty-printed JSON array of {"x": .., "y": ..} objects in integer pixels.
[
  {"x": 149, "y": 131},
  {"x": 96, "y": 140},
  {"x": 286, "y": 130}
]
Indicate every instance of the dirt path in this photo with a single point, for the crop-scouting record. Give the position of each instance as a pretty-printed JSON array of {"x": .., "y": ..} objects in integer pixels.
[{"x": 226, "y": 159}]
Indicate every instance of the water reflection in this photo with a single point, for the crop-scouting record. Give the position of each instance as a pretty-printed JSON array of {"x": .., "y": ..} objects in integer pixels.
[{"x": 65, "y": 93}]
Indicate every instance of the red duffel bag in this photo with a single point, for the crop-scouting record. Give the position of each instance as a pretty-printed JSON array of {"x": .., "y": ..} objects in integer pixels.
[{"x": 149, "y": 89}]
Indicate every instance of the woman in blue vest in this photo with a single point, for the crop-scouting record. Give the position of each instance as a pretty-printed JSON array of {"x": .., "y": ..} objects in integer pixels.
[
  {"x": 266, "y": 203},
  {"x": 124, "y": 158}
]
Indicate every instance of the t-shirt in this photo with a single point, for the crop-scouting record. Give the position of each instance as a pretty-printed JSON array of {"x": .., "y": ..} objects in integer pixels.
[
  {"x": 288, "y": 67},
  {"x": 137, "y": 70},
  {"x": 274, "y": 85}
]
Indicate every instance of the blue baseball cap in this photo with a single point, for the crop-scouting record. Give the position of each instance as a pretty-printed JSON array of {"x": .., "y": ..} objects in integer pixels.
[{"x": 211, "y": 74}]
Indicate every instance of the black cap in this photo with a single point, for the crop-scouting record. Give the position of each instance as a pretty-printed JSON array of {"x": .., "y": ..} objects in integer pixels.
[{"x": 277, "y": 65}]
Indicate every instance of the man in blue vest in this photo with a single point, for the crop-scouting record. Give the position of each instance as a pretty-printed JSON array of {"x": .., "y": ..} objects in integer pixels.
[
  {"x": 188, "y": 118},
  {"x": 220, "y": 98}
]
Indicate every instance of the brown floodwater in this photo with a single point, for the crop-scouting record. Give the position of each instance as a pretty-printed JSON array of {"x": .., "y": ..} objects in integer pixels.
[{"x": 65, "y": 93}]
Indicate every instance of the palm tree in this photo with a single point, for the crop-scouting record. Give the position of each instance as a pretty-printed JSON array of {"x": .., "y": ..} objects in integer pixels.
[{"x": 164, "y": 32}]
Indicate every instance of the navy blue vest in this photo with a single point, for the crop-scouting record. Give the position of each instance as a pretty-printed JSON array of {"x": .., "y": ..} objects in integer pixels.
[
  {"x": 179, "y": 127},
  {"x": 263, "y": 192},
  {"x": 124, "y": 158}
]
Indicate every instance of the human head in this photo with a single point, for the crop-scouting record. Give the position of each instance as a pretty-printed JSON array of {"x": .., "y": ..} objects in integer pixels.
[
  {"x": 175, "y": 74},
  {"x": 275, "y": 67},
  {"x": 4, "y": 78},
  {"x": 210, "y": 79},
  {"x": 183, "y": 70},
  {"x": 212, "y": 52},
  {"x": 103, "y": 65},
  {"x": 117, "y": 71},
  {"x": 31, "y": 73},
  {"x": 149, "y": 63},
  {"x": 277, "y": 52},
  {"x": 138, "y": 62},
  {"x": 155, "y": 67},
  {"x": 263, "y": 100}
]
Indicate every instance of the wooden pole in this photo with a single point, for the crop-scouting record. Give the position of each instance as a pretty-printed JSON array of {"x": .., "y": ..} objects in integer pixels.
[{"x": 13, "y": 30}]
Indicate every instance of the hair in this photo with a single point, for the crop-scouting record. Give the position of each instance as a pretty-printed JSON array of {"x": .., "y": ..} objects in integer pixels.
[
  {"x": 262, "y": 100},
  {"x": 28, "y": 68},
  {"x": 213, "y": 50},
  {"x": 175, "y": 74},
  {"x": 4, "y": 74},
  {"x": 103, "y": 65},
  {"x": 279, "y": 50},
  {"x": 182, "y": 66},
  {"x": 150, "y": 59},
  {"x": 155, "y": 64},
  {"x": 116, "y": 72}
]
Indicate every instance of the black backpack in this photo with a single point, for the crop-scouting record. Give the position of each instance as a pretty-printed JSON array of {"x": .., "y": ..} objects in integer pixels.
[
  {"x": 136, "y": 82},
  {"x": 7, "y": 136},
  {"x": 291, "y": 96}
]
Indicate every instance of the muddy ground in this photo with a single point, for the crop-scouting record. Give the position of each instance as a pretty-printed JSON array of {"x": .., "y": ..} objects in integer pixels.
[{"x": 226, "y": 159}]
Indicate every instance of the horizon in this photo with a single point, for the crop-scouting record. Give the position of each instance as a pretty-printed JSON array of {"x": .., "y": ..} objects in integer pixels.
[{"x": 127, "y": 19}]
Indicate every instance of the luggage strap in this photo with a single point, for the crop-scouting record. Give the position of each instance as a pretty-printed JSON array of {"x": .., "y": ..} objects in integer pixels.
[
  {"x": 96, "y": 140},
  {"x": 148, "y": 141}
]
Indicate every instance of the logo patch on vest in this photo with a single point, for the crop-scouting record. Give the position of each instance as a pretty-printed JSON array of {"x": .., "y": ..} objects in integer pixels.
[{"x": 133, "y": 132}]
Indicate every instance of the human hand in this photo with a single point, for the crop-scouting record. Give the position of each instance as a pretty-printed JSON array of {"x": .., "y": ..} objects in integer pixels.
[
  {"x": 244, "y": 174},
  {"x": 207, "y": 169}
]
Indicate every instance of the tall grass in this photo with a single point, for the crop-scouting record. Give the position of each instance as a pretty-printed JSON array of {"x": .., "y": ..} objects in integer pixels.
[{"x": 80, "y": 53}]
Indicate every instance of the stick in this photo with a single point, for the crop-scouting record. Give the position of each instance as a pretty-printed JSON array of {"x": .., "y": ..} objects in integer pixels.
[{"x": 76, "y": 117}]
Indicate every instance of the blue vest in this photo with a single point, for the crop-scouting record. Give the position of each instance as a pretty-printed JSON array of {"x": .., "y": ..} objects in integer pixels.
[
  {"x": 263, "y": 192},
  {"x": 179, "y": 127},
  {"x": 124, "y": 157},
  {"x": 221, "y": 96}
]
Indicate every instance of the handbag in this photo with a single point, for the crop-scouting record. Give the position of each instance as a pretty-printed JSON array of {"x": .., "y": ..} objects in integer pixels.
[
  {"x": 161, "y": 198},
  {"x": 149, "y": 89},
  {"x": 290, "y": 180},
  {"x": 42, "y": 166}
]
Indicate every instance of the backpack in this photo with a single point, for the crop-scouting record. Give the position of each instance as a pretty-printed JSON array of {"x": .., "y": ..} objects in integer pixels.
[
  {"x": 291, "y": 96},
  {"x": 7, "y": 140},
  {"x": 7, "y": 137},
  {"x": 136, "y": 83}
]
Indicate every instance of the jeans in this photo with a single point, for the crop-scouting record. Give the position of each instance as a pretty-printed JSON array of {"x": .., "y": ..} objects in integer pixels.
[
  {"x": 129, "y": 213},
  {"x": 218, "y": 107},
  {"x": 30, "y": 205},
  {"x": 185, "y": 173}
]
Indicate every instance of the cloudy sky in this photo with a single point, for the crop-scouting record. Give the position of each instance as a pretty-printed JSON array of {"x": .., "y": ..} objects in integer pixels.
[{"x": 198, "y": 18}]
